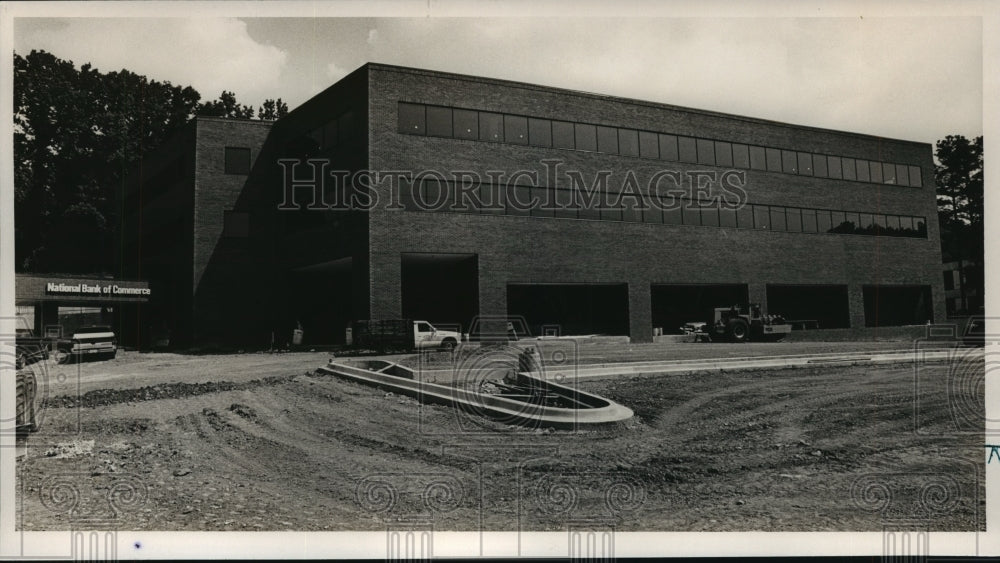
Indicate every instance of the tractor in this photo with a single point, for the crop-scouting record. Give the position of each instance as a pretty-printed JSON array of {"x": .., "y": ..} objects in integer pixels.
[{"x": 743, "y": 323}]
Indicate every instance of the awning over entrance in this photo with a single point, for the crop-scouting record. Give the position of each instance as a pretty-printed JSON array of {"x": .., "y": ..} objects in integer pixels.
[{"x": 33, "y": 288}]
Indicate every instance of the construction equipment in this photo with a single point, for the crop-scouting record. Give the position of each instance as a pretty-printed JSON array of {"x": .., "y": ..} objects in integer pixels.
[{"x": 741, "y": 323}]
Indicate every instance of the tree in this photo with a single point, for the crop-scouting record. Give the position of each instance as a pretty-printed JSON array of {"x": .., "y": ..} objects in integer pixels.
[
  {"x": 226, "y": 106},
  {"x": 959, "y": 179},
  {"x": 76, "y": 134},
  {"x": 272, "y": 110}
]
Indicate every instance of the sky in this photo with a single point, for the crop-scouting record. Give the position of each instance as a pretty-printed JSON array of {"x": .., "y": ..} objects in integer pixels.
[{"x": 914, "y": 78}]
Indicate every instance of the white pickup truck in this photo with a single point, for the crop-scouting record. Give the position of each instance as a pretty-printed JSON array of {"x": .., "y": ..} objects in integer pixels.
[
  {"x": 86, "y": 342},
  {"x": 426, "y": 336}
]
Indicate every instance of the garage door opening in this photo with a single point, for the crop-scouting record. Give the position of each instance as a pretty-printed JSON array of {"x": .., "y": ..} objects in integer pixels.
[
  {"x": 827, "y": 305},
  {"x": 675, "y": 305},
  {"x": 576, "y": 309},
  {"x": 442, "y": 289},
  {"x": 897, "y": 305},
  {"x": 320, "y": 300}
]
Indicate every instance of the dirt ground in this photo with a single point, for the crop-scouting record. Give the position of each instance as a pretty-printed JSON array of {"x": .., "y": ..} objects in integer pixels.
[{"x": 260, "y": 442}]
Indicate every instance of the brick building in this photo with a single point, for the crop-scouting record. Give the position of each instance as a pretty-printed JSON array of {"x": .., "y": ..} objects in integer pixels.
[{"x": 485, "y": 197}]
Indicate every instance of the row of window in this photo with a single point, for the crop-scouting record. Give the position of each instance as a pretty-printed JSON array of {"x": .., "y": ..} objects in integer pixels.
[
  {"x": 438, "y": 121},
  {"x": 487, "y": 199}
]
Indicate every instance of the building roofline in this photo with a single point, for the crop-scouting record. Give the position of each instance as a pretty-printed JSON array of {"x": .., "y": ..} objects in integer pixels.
[
  {"x": 634, "y": 101},
  {"x": 268, "y": 123}
]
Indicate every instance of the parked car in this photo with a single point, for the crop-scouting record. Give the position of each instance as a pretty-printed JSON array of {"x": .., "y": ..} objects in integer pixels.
[{"x": 90, "y": 341}]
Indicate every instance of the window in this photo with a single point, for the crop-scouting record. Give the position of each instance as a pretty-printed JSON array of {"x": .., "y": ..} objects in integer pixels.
[
  {"x": 411, "y": 118},
  {"x": 631, "y": 210},
  {"x": 837, "y": 219},
  {"x": 235, "y": 224},
  {"x": 727, "y": 217},
  {"x": 773, "y": 160},
  {"x": 875, "y": 169},
  {"x": 888, "y": 173},
  {"x": 758, "y": 158},
  {"x": 915, "y": 176},
  {"x": 562, "y": 135},
  {"x": 761, "y": 217},
  {"x": 607, "y": 140},
  {"x": 466, "y": 124},
  {"x": 490, "y": 127},
  {"x": 793, "y": 220},
  {"x": 892, "y": 225},
  {"x": 706, "y": 152},
  {"x": 668, "y": 148},
  {"x": 439, "y": 121},
  {"x": 777, "y": 218},
  {"x": 823, "y": 222},
  {"x": 805, "y": 163},
  {"x": 723, "y": 154},
  {"x": 565, "y": 198},
  {"x": 789, "y": 164},
  {"x": 540, "y": 132},
  {"x": 851, "y": 221},
  {"x": 690, "y": 212},
  {"x": 586, "y": 137},
  {"x": 543, "y": 204},
  {"x": 819, "y": 166},
  {"x": 628, "y": 142},
  {"x": 613, "y": 210},
  {"x": 688, "y": 149},
  {"x": 672, "y": 212},
  {"x": 863, "y": 171},
  {"x": 744, "y": 217},
  {"x": 902, "y": 175},
  {"x": 520, "y": 200},
  {"x": 850, "y": 172},
  {"x": 833, "y": 163},
  {"x": 515, "y": 129},
  {"x": 237, "y": 160},
  {"x": 880, "y": 224},
  {"x": 741, "y": 156},
  {"x": 866, "y": 223},
  {"x": 649, "y": 147},
  {"x": 906, "y": 224},
  {"x": 710, "y": 214},
  {"x": 809, "y": 220}
]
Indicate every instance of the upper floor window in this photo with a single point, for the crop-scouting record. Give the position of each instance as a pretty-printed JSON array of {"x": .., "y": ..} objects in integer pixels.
[{"x": 237, "y": 160}]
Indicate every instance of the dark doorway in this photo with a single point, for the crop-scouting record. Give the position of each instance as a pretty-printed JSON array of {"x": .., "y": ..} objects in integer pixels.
[
  {"x": 573, "y": 308},
  {"x": 897, "y": 305},
  {"x": 320, "y": 300},
  {"x": 825, "y": 304},
  {"x": 442, "y": 289},
  {"x": 675, "y": 305}
]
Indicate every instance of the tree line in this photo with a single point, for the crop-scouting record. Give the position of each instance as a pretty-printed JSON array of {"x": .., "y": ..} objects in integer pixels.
[{"x": 77, "y": 134}]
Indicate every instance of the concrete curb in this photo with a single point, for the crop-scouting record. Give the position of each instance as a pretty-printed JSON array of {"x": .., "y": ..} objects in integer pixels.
[{"x": 591, "y": 371}]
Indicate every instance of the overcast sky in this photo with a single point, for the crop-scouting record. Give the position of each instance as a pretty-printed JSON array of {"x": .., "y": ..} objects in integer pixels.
[{"x": 918, "y": 78}]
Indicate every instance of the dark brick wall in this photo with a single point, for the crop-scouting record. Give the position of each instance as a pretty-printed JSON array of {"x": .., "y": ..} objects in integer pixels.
[
  {"x": 222, "y": 290},
  {"x": 525, "y": 249}
]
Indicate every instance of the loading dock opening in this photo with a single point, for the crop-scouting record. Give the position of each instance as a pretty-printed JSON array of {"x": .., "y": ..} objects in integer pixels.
[
  {"x": 320, "y": 301},
  {"x": 440, "y": 288},
  {"x": 676, "y": 304},
  {"x": 897, "y": 305},
  {"x": 826, "y": 304},
  {"x": 575, "y": 308}
]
